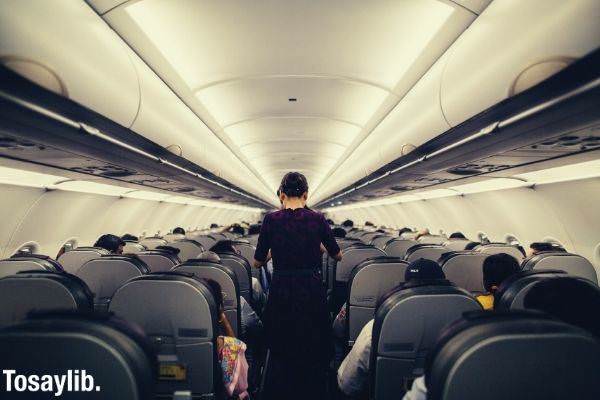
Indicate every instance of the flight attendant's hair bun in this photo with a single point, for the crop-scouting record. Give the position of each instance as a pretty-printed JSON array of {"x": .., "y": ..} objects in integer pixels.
[{"x": 294, "y": 184}]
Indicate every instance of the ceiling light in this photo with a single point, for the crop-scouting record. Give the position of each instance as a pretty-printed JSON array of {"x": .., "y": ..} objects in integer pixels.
[{"x": 13, "y": 176}]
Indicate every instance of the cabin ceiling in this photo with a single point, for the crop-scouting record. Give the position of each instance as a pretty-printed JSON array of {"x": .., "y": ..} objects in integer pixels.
[{"x": 347, "y": 63}]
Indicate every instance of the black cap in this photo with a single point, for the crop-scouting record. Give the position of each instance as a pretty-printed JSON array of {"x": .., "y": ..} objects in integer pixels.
[{"x": 423, "y": 269}]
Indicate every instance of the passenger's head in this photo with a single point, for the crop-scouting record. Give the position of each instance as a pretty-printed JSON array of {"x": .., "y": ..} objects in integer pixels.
[
  {"x": 112, "y": 243},
  {"x": 224, "y": 246},
  {"x": 348, "y": 223},
  {"x": 404, "y": 230},
  {"x": 338, "y": 232},
  {"x": 209, "y": 256},
  {"x": 496, "y": 268},
  {"x": 574, "y": 301},
  {"x": 330, "y": 221},
  {"x": 293, "y": 186},
  {"x": 129, "y": 238},
  {"x": 213, "y": 225},
  {"x": 423, "y": 270},
  {"x": 472, "y": 245},
  {"x": 541, "y": 247},
  {"x": 215, "y": 290},
  {"x": 254, "y": 229},
  {"x": 457, "y": 235},
  {"x": 237, "y": 229},
  {"x": 179, "y": 231},
  {"x": 369, "y": 223}
]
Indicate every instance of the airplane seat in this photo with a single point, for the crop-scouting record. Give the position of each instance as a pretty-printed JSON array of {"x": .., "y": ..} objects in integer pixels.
[
  {"x": 174, "y": 237},
  {"x": 380, "y": 240},
  {"x": 511, "y": 293},
  {"x": 42, "y": 290},
  {"x": 573, "y": 264},
  {"x": 368, "y": 237},
  {"x": 184, "y": 336},
  {"x": 188, "y": 248},
  {"x": 159, "y": 260},
  {"x": 465, "y": 269},
  {"x": 115, "y": 354},
  {"x": 252, "y": 239},
  {"x": 352, "y": 256},
  {"x": 133, "y": 247},
  {"x": 226, "y": 278},
  {"x": 513, "y": 356},
  {"x": 106, "y": 274},
  {"x": 368, "y": 282},
  {"x": 397, "y": 247},
  {"x": 73, "y": 259},
  {"x": 495, "y": 248},
  {"x": 206, "y": 241},
  {"x": 240, "y": 266},
  {"x": 432, "y": 239},
  {"x": 428, "y": 251},
  {"x": 247, "y": 251},
  {"x": 456, "y": 244},
  {"x": 151, "y": 243},
  {"x": 220, "y": 236},
  {"x": 28, "y": 262},
  {"x": 406, "y": 327}
]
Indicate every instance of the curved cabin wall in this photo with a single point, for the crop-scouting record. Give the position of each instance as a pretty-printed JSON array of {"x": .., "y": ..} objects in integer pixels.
[
  {"x": 52, "y": 217},
  {"x": 565, "y": 211}
]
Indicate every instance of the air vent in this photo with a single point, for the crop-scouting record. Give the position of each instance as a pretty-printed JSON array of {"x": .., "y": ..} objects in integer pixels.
[
  {"x": 476, "y": 168},
  {"x": 110, "y": 171},
  {"x": 570, "y": 143}
]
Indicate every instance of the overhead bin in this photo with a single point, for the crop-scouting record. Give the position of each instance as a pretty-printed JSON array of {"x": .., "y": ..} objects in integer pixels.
[
  {"x": 65, "y": 47},
  {"x": 510, "y": 47}
]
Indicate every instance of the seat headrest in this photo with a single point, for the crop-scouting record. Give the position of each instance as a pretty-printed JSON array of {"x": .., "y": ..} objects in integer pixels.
[
  {"x": 511, "y": 292},
  {"x": 573, "y": 264}
]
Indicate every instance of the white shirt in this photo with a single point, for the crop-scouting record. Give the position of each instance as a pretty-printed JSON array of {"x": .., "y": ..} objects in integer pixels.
[
  {"x": 353, "y": 374},
  {"x": 417, "y": 391}
]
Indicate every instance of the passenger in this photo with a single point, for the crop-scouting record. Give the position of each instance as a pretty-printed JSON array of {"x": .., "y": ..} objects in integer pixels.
[
  {"x": 369, "y": 224},
  {"x": 230, "y": 351},
  {"x": 496, "y": 268},
  {"x": 457, "y": 235},
  {"x": 296, "y": 320},
  {"x": 129, "y": 238},
  {"x": 338, "y": 232},
  {"x": 571, "y": 300},
  {"x": 330, "y": 222},
  {"x": 541, "y": 247},
  {"x": 179, "y": 231},
  {"x": 169, "y": 249},
  {"x": 353, "y": 374},
  {"x": 472, "y": 245},
  {"x": 209, "y": 256},
  {"x": 224, "y": 246},
  {"x": 348, "y": 223},
  {"x": 254, "y": 229},
  {"x": 213, "y": 225},
  {"x": 423, "y": 232},
  {"x": 112, "y": 243},
  {"x": 404, "y": 230}
]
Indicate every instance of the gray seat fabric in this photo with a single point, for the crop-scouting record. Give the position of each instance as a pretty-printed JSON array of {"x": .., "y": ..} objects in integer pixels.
[
  {"x": 179, "y": 314},
  {"x": 398, "y": 247},
  {"x": 173, "y": 237},
  {"x": 495, "y": 248},
  {"x": 406, "y": 328},
  {"x": 113, "y": 354},
  {"x": 15, "y": 264},
  {"x": 240, "y": 266},
  {"x": 247, "y": 251},
  {"x": 432, "y": 239},
  {"x": 511, "y": 293},
  {"x": 133, "y": 248},
  {"x": 369, "y": 281},
  {"x": 25, "y": 292},
  {"x": 158, "y": 260},
  {"x": 106, "y": 274},
  {"x": 226, "y": 278},
  {"x": 207, "y": 241},
  {"x": 456, "y": 244},
  {"x": 465, "y": 270},
  {"x": 153, "y": 242},
  {"x": 188, "y": 249},
  {"x": 72, "y": 260},
  {"x": 380, "y": 241},
  {"x": 367, "y": 237},
  {"x": 428, "y": 251},
  {"x": 252, "y": 239},
  {"x": 514, "y": 356},
  {"x": 573, "y": 264},
  {"x": 352, "y": 256}
]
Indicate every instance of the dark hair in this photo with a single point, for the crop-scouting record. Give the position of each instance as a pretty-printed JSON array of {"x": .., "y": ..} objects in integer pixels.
[
  {"x": 213, "y": 225},
  {"x": 457, "y": 235},
  {"x": 338, "y": 232},
  {"x": 472, "y": 245},
  {"x": 169, "y": 249},
  {"x": 254, "y": 229},
  {"x": 369, "y": 223},
  {"x": 348, "y": 223},
  {"x": 294, "y": 184},
  {"x": 330, "y": 221},
  {"x": 404, "y": 230},
  {"x": 575, "y": 301},
  {"x": 129, "y": 238},
  {"x": 545, "y": 246},
  {"x": 179, "y": 231},
  {"x": 215, "y": 290},
  {"x": 223, "y": 246},
  {"x": 423, "y": 269},
  {"x": 109, "y": 242},
  {"x": 498, "y": 267},
  {"x": 237, "y": 229}
]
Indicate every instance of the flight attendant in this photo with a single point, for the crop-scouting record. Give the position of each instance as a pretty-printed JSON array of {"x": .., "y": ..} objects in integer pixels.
[{"x": 296, "y": 320}]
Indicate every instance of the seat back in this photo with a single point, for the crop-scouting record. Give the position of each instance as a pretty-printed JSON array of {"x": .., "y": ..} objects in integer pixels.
[
  {"x": 495, "y": 248},
  {"x": 456, "y": 244},
  {"x": 72, "y": 260},
  {"x": 397, "y": 247},
  {"x": 106, "y": 274},
  {"x": 247, "y": 251},
  {"x": 432, "y": 239},
  {"x": 159, "y": 260},
  {"x": 465, "y": 269},
  {"x": 226, "y": 278},
  {"x": 352, "y": 256},
  {"x": 30, "y": 291},
  {"x": 117, "y": 362},
  {"x": 428, "y": 251},
  {"x": 240, "y": 266},
  {"x": 30, "y": 262},
  {"x": 173, "y": 237},
  {"x": 367, "y": 237},
  {"x": 573, "y": 264},
  {"x": 133, "y": 247},
  {"x": 514, "y": 356},
  {"x": 380, "y": 240},
  {"x": 188, "y": 249},
  {"x": 369, "y": 281},
  {"x": 405, "y": 329},
  {"x": 180, "y": 315},
  {"x": 252, "y": 239},
  {"x": 152, "y": 242}
]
